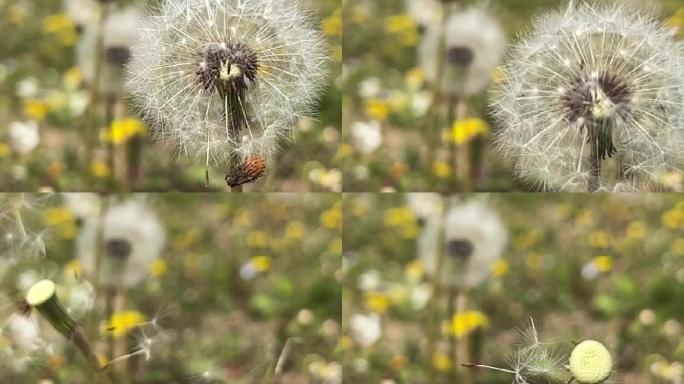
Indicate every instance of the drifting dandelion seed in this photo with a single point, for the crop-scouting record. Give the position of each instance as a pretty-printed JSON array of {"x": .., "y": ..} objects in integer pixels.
[
  {"x": 591, "y": 83},
  {"x": 225, "y": 80}
]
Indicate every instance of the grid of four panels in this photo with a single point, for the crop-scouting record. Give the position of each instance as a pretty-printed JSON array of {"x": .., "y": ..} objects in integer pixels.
[{"x": 342, "y": 192}]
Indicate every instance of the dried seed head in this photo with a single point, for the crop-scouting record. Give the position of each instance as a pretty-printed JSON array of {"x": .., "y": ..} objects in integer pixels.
[
  {"x": 247, "y": 171},
  {"x": 591, "y": 83},
  {"x": 226, "y": 80}
]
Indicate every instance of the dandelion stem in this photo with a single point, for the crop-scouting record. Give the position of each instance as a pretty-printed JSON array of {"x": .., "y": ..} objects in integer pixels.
[
  {"x": 433, "y": 127},
  {"x": 595, "y": 164},
  {"x": 92, "y": 125},
  {"x": 433, "y": 309},
  {"x": 463, "y": 153}
]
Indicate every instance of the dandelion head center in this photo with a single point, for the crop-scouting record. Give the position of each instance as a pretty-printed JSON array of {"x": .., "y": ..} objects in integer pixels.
[
  {"x": 118, "y": 55},
  {"x": 460, "y": 55},
  {"x": 460, "y": 249},
  {"x": 596, "y": 96},
  {"x": 118, "y": 249},
  {"x": 227, "y": 67}
]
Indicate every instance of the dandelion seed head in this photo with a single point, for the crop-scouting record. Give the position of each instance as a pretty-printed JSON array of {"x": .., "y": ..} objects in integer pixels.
[
  {"x": 224, "y": 80},
  {"x": 592, "y": 82},
  {"x": 475, "y": 45}
]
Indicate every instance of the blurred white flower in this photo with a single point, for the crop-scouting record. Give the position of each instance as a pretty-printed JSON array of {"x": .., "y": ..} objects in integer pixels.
[
  {"x": 224, "y": 80},
  {"x": 120, "y": 34},
  {"x": 24, "y": 137},
  {"x": 367, "y": 136},
  {"x": 594, "y": 82},
  {"x": 27, "y": 87},
  {"x": 475, "y": 45},
  {"x": 370, "y": 88},
  {"x": 78, "y": 102},
  {"x": 326, "y": 372},
  {"x": 365, "y": 329},
  {"x": 81, "y": 298},
  {"x": 369, "y": 280},
  {"x": 133, "y": 239},
  {"x": 475, "y": 238}
]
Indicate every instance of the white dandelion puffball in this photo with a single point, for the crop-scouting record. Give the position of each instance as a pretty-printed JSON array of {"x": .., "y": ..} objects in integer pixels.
[
  {"x": 425, "y": 205},
  {"x": 593, "y": 99},
  {"x": 475, "y": 238},
  {"x": 120, "y": 33},
  {"x": 23, "y": 332},
  {"x": 227, "y": 79},
  {"x": 424, "y": 12},
  {"x": 24, "y": 137},
  {"x": 475, "y": 45},
  {"x": 133, "y": 239}
]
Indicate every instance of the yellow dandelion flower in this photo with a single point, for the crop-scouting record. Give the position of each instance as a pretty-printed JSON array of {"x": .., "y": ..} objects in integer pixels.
[
  {"x": 294, "y": 230},
  {"x": 467, "y": 322},
  {"x": 415, "y": 78},
  {"x": 100, "y": 169},
  {"x": 332, "y": 25},
  {"x": 599, "y": 239},
  {"x": 603, "y": 263},
  {"x": 465, "y": 130},
  {"x": 257, "y": 239},
  {"x": 396, "y": 217},
  {"x": 73, "y": 269},
  {"x": 261, "y": 263},
  {"x": 377, "y": 302},
  {"x": 378, "y": 109},
  {"x": 441, "y": 169},
  {"x": 441, "y": 362},
  {"x": 500, "y": 268},
  {"x": 57, "y": 216},
  {"x": 673, "y": 219},
  {"x": 72, "y": 78},
  {"x": 123, "y": 322},
  {"x": 36, "y": 109},
  {"x": 158, "y": 268},
  {"x": 415, "y": 270},
  {"x": 4, "y": 150},
  {"x": 636, "y": 230},
  {"x": 332, "y": 218},
  {"x": 123, "y": 130}
]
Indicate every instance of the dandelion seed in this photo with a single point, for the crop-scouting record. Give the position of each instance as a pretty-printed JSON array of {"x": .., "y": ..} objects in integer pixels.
[
  {"x": 590, "y": 84},
  {"x": 226, "y": 80}
]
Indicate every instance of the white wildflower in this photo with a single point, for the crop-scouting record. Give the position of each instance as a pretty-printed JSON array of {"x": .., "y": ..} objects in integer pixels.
[
  {"x": 365, "y": 329},
  {"x": 24, "y": 137},
  {"x": 367, "y": 136}
]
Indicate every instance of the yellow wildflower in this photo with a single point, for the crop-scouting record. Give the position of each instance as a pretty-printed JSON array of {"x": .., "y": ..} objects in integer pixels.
[
  {"x": 405, "y": 27},
  {"x": 257, "y": 239},
  {"x": 673, "y": 219},
  {"x": 99, "y": 169},
  {"x": 57, "y": 216},
  {"x": 332, "y": 218},
  {"x": 396, "y": 217},
  {"x": 603, "y": 264},
  {"x": 378, "y": 109},
  {"x": 441, "y": 362},
  {"x": 415, "y": 78},
  {"x": 415, "y": 270},
  {"x": 72, "y": 78},
  {"x": 36, "y": 109},
  {"x": 158, "y": 268},
  {"x": 294, "y": 230},
  {"x": 4, "y": 150},
  {"x": 636, "y": 230},
  {"x": 123, "y": 130},
  {"x": 61, "y": 26},
  {"x": 377, "y": 302},
  {"x": 468, "y": 321},
  {"x": 599, "y": 239},
  {"x": 261, "y": 263},
  {"x": 441, "y": 169},
  {"x": 500, "y": 268},
  {"x": 465, "y": 130},
  {"x": 332, "y": 26},
  {"x": 122, "y": 322}
]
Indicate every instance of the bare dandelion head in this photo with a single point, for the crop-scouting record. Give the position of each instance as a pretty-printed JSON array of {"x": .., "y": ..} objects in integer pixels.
[
  {"x": 590, "y": 84},
  {"x": 227, "y": 79}
]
